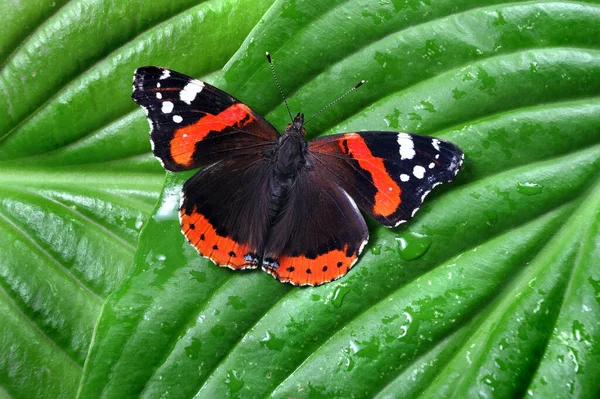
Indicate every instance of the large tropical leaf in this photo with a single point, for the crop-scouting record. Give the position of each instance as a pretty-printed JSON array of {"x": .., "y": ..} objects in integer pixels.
[
  {"x": 493, "y": 290},
  {"x": 77, "y": 180}
]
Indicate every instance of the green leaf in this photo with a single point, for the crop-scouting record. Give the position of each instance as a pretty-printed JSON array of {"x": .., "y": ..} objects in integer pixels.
[
  {"x": 77, "y": 180},
  {"x": 491, "y": 290}
]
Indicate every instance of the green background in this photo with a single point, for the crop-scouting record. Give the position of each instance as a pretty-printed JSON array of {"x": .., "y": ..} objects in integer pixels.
[{"x": 492, "y": 290}]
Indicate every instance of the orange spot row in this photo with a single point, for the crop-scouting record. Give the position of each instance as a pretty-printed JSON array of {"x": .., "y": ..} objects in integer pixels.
[
  {"x": 184, "y": 142},
  {"x": 222, "y": 250},
  {"x": 300, "y": 270},
  {"x": 387, "y": 198}
]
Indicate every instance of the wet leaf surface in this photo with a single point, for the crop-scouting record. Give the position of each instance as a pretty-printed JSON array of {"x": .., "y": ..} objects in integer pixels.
[
  {"x": 492, "y": 289},
  {"x": 77, "y": 181}
]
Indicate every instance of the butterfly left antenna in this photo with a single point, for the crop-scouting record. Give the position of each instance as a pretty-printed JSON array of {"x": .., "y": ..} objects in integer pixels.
[{"x": 279, "y": 86}]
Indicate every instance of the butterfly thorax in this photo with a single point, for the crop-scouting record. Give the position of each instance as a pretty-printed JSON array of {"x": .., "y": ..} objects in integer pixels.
[
  {"x": 290, "y": 153},
  {"x": 288, "y": 159}
]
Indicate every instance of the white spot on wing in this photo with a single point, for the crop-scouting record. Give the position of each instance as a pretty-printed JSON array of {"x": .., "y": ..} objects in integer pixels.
[
  {"x": 189, "y": 92},
  {"x": 404, "y": 177},
  {"x": 167, "y": 107},
  {"x": 159, "y": 96},
  {"x": 436, "y": 144},
  {"x": 431, "y": 165},
  {"x": 419, "y": 171},
  {"x": 158, "y": 84},
  {"x": 407, "y": 146},
  {"x": 166, "y": 73},
  {"x": 177, "y": 118}
]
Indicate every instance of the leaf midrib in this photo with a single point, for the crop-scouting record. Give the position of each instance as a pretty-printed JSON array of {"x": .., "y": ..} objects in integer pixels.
[{"x": 77, "y": 176}]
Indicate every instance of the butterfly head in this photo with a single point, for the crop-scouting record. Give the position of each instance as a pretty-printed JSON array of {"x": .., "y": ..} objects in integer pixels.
[{"x": 296, "y": 128}]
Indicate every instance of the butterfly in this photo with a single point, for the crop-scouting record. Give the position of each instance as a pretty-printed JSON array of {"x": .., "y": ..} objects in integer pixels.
[{"x": 277, "y": 201}]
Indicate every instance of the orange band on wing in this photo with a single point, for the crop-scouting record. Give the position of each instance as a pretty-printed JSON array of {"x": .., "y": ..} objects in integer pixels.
[
  {"x": 387, "y": 198},
  {"x": 300, "y": 270},
  {"x": 184, "y": 142},
  {"x": 222, "y": 250}
]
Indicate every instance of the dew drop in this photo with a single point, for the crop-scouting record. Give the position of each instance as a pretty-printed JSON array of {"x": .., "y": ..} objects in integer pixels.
[
  {"x": 198, "y": 276},
  {"x": 366, "y": 349},
  {"x": 218, "y": 331},
  {"x": 376, "y": 249},
  {"x": 139, "y": 222},
  {"x": 529, "y": 188},
  {"x": 193, "y": 348},
  {"x": 349, "y": 364},
  {"x": 490, "y": 380},
  {"x": 338, "y": 295},
  {"x": 272, "y": 342},
  {"x": 491, "y": 217},
  {"x": 236, "y": 302},
  {"x": 233, "y": 381},
  {"x": 412, "y": 245}
]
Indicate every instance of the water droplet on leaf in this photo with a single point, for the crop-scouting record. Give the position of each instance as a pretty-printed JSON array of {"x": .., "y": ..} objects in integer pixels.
[
  {"x": 218, "y": 331},
  {"x": 198, "y": 276},
  {"x": 192, "y": 349},
  {"x": 412, "y": 245},
  {"x": 338, "y": 295},
  {"x": 529, "y": 188},
  {"x": 376, "y": 249},
  {"x": 236, "y": 302},
  {"x": 272, "y": 342},
  {"x": 233, "y": 381}
]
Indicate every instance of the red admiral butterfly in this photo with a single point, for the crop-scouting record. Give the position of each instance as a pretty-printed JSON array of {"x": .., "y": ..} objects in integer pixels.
[{"x": 278, "y": 201}]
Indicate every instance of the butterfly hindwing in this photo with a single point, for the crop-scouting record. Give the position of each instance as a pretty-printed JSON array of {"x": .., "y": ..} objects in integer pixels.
[
  {"x": 224, "y": 213},
  {"x": 195, "y": 124},
  {"x": 318, "y": 235},
  {"x": 388, "y": 174}
]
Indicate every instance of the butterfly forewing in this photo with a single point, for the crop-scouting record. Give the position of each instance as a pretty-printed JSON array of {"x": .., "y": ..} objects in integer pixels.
[
  {"x": 388, "y": 174},
  {"x": 195, "y": 124}
]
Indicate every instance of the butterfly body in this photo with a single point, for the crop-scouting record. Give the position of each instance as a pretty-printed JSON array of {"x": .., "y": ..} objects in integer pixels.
[
  {"x": 290, "y": 154},
  {"x": 277, "y": 201}
]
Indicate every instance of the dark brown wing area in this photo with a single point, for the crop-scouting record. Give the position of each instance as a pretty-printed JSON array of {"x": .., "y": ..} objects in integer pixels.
[
  {"x": 388, "y": 174},
  {"x": 195, "y": 124},
  {"x": 318, "y": 235},
  {"x": 225, "y": 213}
]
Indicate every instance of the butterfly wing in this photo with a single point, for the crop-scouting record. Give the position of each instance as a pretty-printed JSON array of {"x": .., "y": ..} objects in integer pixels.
[
  {"x": 318, "y": 235},
  {"x": 195, "y": 124},
  {"x": 388, "y": 174},
  {"x": 224, "y": 214}
]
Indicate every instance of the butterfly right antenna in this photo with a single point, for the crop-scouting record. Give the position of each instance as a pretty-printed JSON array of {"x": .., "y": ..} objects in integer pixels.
[
  {"x": 362, "y": 82},
  {"x": 278, "y": 85}
]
